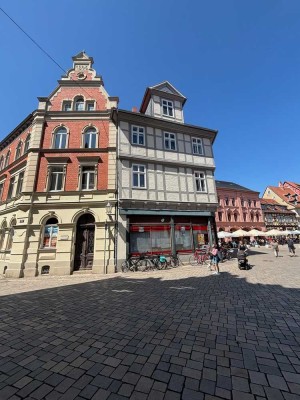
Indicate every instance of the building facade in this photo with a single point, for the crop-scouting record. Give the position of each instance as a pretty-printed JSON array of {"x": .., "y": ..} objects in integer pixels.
[
  {"x": 277, "y": 216},
  {"x": 58, "y": 179},
  {"x": 238, "y": 208},
  {"x": 287, "y": 194},
  {"x": 166, "y": 190}
]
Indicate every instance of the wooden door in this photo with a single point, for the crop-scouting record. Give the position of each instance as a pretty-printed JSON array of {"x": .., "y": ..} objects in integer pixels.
[{"x": 84, "y": 246}]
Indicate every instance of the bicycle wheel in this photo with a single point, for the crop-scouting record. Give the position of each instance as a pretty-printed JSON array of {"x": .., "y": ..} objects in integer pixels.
[
  {"x": 193, "y": 260},
  {"x": 125, "y": 266},
  {"x": 142, "y": 265},
  {"x": 174, "y": 261}
]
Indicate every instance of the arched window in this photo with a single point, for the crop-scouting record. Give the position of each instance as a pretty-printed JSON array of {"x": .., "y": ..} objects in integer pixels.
[
  {"x": 229, "y": 216},
  {"x": 1, "y": 163},
  {"x": 60, "y": 138},
  {"x": 251, "y": 217},
  {"x": 18, "y": 150},
  {"x": 11, "y": 234},
  {"x": 235, "y": 216},
  {"x": 50, "y": 233},
  {"x": 7, "y": 159},
  {"x": 257, "y": 217},
  {"x": 79, "y": 104},
  {"x": 90, "y": 138},
  {"x": 27, "y": 143}
]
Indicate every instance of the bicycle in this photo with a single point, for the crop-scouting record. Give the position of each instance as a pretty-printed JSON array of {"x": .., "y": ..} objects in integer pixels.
[
  {"x": 136, "y": 263},
  {"x": 199, "y": 258}
]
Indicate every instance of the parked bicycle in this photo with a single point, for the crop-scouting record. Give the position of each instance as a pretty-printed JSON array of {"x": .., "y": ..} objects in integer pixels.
[{"x": 200, "y": 258}]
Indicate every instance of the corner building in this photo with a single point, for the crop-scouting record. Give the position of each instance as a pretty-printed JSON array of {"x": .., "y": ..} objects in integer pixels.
[
  {"x": 57, "y": 180},
  {"x": 166, "y": 189}
]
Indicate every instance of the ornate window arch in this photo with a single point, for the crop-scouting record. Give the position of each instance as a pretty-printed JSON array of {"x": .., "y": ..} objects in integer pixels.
[
  {"x": 90, "y": 138},
  {"x": 1, "y": 163},
  {"x": 60, "y": 138},
  {"x": 79, "y": 103},
  {"x": 7, "y": 159},
  {"x": 27, "y": 143},
  {"x": 19, "y": 150},
  {"x": 229, "y": 216},
  {"x": 50, "y": 232}
]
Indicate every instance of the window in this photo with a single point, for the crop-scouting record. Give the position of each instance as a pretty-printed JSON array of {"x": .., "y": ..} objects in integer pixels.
[
  {"x": 7, "y": 159},
  {"x": 200, "y": 182},
  {"x": 226, "y": 201},
  {"x": 79, "y": 104},
  {"x": 229, "y": 217},
  {"x": 50, "y": 233},
  {"x": 245, "y": 217},
  {"x": 1, "y": 163},
  {"x": 1, "y": 190},
  {"x": 138, "y": 176},
  {"x": 168, "y": 108},
  {"x": 88, "y": 178},
  {"x": 170, "y": 141},
  {"x": 60, "y": 139},
  {"x": 197, "y": 146},
  {"x": 257, "y": 217},
  {"x": 138, "y": 135},
  {"x": 90, "y": 138},
  {"x": 249, "y": 202},
  {"x": 90, "y": 106},
  {"x": 20, "y": 183},
  {"x": 18, "y": 151},
  {"x": 56, "y": 178},
  {"x": 254, "y": 203},
  {"x": 67, "y": 106},
  {"x": 11, "y": 187},
  {"x": 251, "y": 217},
  {"x": 235, "y": 216},
  {"x": 233, "y": 202},
  {"x": 220, "y": 215},
  {"x": 27, "y": 143}
]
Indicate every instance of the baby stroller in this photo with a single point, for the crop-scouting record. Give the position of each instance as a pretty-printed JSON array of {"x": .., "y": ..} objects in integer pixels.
[{"x": 242, "y": 260}]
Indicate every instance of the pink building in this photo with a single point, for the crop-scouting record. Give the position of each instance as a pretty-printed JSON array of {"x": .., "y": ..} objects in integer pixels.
[{"x": 239, "y": 208}]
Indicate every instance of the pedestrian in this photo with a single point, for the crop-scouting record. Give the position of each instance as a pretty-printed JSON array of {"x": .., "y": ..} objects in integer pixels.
[
  {"x": 275, "y": 247},
  {"x": 215, "y": 260},
  {"x": 291, "y": 246}
]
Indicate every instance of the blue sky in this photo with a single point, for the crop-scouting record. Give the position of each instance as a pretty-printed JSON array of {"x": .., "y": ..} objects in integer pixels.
[{"x": 237, "y": 62}]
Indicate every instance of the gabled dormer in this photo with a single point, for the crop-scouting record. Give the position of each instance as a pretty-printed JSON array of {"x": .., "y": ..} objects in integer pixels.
[{"x": 163, "y": 101}]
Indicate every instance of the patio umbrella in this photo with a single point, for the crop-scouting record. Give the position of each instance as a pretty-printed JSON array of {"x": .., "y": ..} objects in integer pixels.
[
  {"x": 296, "y": 232},
  {"x": 255, "y": 232},
  {"x": 222, "y": 235},
  {"x": 273, "y": 232},
  {"x": 285, "y": 233},
  {"x": 239, "y": 233}
]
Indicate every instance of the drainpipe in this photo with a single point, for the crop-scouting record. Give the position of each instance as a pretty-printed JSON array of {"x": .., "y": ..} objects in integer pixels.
[{"x": 173, "y": 245}]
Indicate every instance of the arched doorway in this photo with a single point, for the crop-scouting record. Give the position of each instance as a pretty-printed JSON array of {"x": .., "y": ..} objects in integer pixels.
[{"x": 84, "y": 245}]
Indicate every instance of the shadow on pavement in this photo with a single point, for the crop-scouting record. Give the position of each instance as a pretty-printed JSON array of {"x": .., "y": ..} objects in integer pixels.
[{"x": 147, "y": 338}]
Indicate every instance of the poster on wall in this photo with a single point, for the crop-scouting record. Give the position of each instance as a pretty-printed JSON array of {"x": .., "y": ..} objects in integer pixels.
[{"x": 200, "y": 239}]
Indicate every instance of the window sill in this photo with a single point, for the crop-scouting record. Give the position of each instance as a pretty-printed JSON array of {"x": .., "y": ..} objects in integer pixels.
[
  {"x": 47, "y": 250},
  {"x": 139, "y": 188}
]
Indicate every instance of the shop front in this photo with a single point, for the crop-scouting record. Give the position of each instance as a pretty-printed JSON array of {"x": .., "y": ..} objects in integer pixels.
[{"x": 167, "y": 234}]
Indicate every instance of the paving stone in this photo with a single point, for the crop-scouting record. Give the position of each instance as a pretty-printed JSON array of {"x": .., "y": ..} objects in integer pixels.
[
  {"x": 176, "y": 383},
  {"x": 207, "y": 386},
  {"x": 188, "y": 394},
  {"x": 240, "y": 384},
  {"x": 277, "y": 382},
  {"x": 236, "y": 395},
  {"x": 273, "y": 394}
]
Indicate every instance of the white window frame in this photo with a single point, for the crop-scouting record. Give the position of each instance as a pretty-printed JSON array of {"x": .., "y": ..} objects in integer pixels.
[
  {"x": 50, "y": 177},
  {"x": 65, "y": 103},
  {"x": 51, "y": 226},
  {"x": 77, "y": 101},
  {"x": 27, "y": 143},
  {"x": 167, "y": 137},
  {"x": 86, "y": 131},
  {"x": 93, "y": 169},
  {"x": 169, "y": 104},
  {"x": 197, "y": 146},
  {"x": 140, "y": 132},
  {"x": 90, "y": 104},
  {"x": 18, "y": 189},
  {"x": 19, "y": 148},
  {"x": 197, "y": 177},
  {"x": 13, "y": 186},
  {"x": 2, "y": 183},
  {"x": 54, "y": 138},
  {"x": 139, "y": 173}
]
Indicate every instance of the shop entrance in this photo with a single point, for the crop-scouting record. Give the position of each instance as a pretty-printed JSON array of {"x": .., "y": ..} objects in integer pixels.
[{"x": 84, "y": 246}]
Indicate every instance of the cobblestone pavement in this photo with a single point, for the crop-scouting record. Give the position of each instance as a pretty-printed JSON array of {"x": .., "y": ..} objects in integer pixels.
[{"x": 177, "y": 334}]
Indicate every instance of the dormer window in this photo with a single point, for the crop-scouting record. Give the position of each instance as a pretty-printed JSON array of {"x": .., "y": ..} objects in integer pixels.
[
  {"x": 168, "y": 108},
  {"x": 79, "y": 104},
  {"x": 67, "y": 106}
]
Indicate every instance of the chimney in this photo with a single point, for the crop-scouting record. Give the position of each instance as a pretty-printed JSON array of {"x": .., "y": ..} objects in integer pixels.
[{"x": 134, "y": 109}]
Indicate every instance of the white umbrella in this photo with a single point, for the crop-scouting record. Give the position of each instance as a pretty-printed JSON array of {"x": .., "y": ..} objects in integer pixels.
[
  {"x": 222, "y": 235},
  {"x": 255, "y": 232},
  {"x": 284, "y": 233},
  {"x": 273, "y": 232},
  {"x": 239, "y": 233},
  {"x": 296, "y": 232}
]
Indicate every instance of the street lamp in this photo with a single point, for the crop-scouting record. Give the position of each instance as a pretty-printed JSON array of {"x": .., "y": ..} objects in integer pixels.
[{"x": 108, "y": 208}]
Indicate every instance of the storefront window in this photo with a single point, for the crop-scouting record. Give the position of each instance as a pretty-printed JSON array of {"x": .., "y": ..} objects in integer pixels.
[
  {"x": 200, "y": 235},
  {"x": 183, "y": 238},
  {"x": 150, "y": 239}
]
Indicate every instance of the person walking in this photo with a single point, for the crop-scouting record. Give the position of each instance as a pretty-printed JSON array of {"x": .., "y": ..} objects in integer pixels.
[
  {"x": 291, "y": 247},
  {"x": 215, "y": 260},
  {"x": 275, "y": 247}
]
